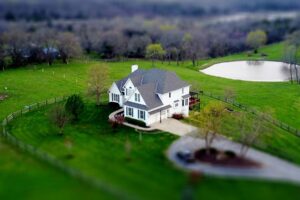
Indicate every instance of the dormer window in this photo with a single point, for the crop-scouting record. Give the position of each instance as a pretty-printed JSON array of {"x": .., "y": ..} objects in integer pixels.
[{"x": 170, "y": 95}]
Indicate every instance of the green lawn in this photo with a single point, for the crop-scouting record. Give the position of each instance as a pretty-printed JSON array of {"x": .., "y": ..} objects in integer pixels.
[
  {"x": 36, "y": 83},
  {"x": 144, "y": 172}
]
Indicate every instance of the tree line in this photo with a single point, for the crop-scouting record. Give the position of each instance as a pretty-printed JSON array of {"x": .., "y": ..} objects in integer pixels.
[{"x": 178, "y": 40}]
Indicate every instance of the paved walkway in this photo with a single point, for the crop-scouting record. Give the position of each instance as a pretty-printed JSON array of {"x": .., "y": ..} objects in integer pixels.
[
  {"x": 174, "y": 126},
  {"x": 273, "y": 168},
  {"x": 112, "y": 117}
]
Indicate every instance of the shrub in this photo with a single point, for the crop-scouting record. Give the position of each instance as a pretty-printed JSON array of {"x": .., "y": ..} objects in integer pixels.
[
  {"x": 178, "y": 116},
  {"x": 74, "y": 106},
  {"x": 114, "y": 106},
  {"x": 135, "y": 122}
]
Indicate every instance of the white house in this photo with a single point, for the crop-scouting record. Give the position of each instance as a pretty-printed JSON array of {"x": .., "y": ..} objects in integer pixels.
[{"x": 151, "y": 95}]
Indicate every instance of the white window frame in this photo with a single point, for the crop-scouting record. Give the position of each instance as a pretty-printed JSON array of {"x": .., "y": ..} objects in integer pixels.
[
  {"x": 137, "y": 97},
  {"x": 141, "y": 114},
  {"x": 129, "y": 111}
]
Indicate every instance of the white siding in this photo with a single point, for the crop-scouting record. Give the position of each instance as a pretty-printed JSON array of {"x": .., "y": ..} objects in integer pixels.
[
  {"x": 176, "y": 98},
  {"x": 114, "y": 90}
]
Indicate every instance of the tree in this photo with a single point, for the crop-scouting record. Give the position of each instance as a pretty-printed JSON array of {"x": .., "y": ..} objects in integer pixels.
[
  {"x": 74, "y": 106},
  {"x": 154, "y": 51},
  {"x": 16, "y": 42},
  {"x": 97, "y": 81},
  {"x": 2, "y": 54},
  {"x": 194, "y": 47},
  {"x": 112, "y": 44},
  {"x": 209, "y": 121},
  {"x": 68, "y": 46},
  {"x": 250, "y": 131},
  {"x": 294, "y": 40},
  {"x": 59, "y": 117},
  {"x": 289, "y": 56},
  {"x": 48, "y": 41},
  {"x": 137, "y": 46},
  {"x": 256, "y": 39},
  {"x": 229, "y": 94}
]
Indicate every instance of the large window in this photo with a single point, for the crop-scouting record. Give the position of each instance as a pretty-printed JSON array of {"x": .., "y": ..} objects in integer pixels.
[
  {"x": 115, "y": 97},
  {"x": 129, "y": 111},
  {"x": 141, "y": 114},
  {"x": 137, "y": 97},
  {"x": 187, "y": 102}
]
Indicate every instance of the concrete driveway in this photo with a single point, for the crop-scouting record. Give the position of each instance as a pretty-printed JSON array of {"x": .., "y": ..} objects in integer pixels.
[
  {"x": 174, "y": 126},
  {"x": 273, "y": 168}
]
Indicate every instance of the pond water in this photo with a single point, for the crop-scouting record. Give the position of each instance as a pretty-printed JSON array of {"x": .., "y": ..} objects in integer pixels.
[{"x": 264, "y": 71}]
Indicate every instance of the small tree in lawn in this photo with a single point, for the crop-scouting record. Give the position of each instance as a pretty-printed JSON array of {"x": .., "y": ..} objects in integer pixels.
[
  {"x": 209, "y": 121},
  {"x": 59, "y": 117},
  {"x": 229, "y": 94},
  {"x": 250, "y": 131},
  {"x": 97, "y": 81},
  {"x": 256, "y": 39},
  {"x": 74, "y": 106},
  {"x": 154, "y": 51}
]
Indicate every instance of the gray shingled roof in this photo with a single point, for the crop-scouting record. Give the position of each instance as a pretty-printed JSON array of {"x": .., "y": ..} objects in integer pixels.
[
  {"x": 149, "y": 95},
  {"x": 153, "y": 81},
  {"x": 159, "y": 109}
]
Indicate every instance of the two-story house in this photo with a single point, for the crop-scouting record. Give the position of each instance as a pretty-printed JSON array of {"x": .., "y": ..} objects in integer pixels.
[{"x": 151, "y": 95}]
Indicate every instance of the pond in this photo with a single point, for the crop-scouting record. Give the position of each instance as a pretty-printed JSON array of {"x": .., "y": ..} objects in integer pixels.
[{"x": 262, "y": 71}]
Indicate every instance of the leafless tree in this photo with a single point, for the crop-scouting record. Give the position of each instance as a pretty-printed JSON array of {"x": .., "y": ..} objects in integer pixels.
[
  {"x": 59, "y": 117},
  {"x": 250, "y": 131},
  {"x": 137, "y": 46},
  {"x": 16, "y": 42},
  {"x": 68, "y": 46},
  {"x": 97, "y": 81},
  {"x": 294, "y": 40},
  {"x": 229, "y": 94},
  {"x": 289, "y": 56},
  {"x": 47, "y": 40},
  {"x": 2, "y": 53}
]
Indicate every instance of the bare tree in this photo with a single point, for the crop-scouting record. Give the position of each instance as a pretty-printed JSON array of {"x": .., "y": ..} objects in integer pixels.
[
  {"x": 68, "y": 46},
  {"x": 289, "y": 56},
  {"x": 294, "y": 40},
  {"x": 59, "y": 117},
  {"x": 2, "y": 53},
  {"x": 97, "y": 81},
  {"x": 229, "y": 94},
  {"x": 137, "y": 46},
  {"x": 16, "y": 41},
  {"x": 48, "y": 41},
  {"x": 250, "y": 131},
  {"x": 194, "y": 46}
]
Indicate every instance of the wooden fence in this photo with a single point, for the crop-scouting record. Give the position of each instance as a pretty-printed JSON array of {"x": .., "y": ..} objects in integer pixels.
[
  {"x": 49, "y": 159},
  {"x": 268, "y": 118}
]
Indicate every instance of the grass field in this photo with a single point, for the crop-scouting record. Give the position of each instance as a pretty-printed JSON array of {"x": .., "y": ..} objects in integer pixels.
[
  {"x": 144, "y": 172},
  {"x": 36, "y": 83}
]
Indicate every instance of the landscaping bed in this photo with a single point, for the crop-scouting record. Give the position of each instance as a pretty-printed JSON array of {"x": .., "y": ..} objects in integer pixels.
[{"x": 224, "y": 159}]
